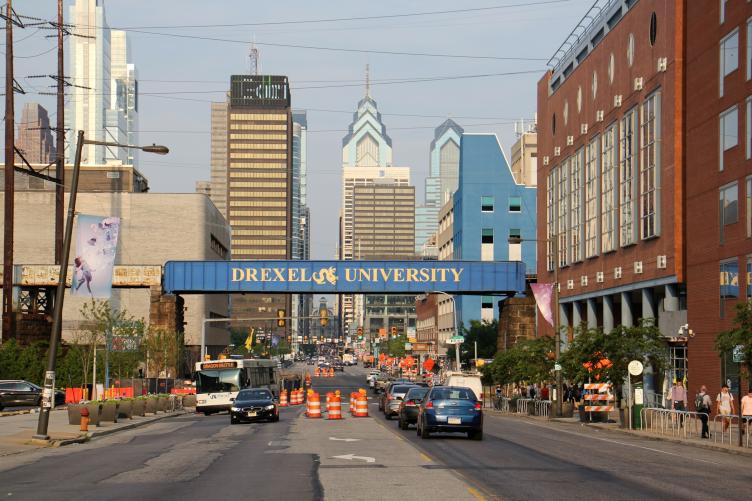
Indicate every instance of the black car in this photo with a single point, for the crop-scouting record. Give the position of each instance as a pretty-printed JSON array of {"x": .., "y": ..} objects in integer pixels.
[
  {"x": 408, "y": 410},
  {"x": 254, "y": 404},
  {"x": 23, "y": 393}
]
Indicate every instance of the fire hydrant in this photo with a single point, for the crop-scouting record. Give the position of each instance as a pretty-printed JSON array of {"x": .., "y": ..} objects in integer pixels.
[{"x": 84, "y": 419}]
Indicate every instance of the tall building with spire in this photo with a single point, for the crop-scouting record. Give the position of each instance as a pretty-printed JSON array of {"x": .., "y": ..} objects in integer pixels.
[
  {"x": 441, "y": 182},
  {"x": 104, "y": 104},
  {"x": 367, "y": 162}
]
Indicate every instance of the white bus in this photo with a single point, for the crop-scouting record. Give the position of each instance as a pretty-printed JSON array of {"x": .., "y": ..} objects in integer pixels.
[{"x": 219, "y": 381}]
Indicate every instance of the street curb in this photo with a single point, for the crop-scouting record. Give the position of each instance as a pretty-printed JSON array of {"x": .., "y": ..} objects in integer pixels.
[
  {"x": 103, "y": 433},
  {"x": 709, "y": 446},
  {"x": 15, "y": 413}
]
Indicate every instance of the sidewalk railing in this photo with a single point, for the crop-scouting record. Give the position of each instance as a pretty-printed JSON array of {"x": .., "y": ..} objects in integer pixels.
[
  {"x": 680, "y": 424},
  {"x": 543, "y": 408},
  {"x": 523, "y": 405},
  {"x": 501, "y": 404},
  {"x": 729, "y": 435}
]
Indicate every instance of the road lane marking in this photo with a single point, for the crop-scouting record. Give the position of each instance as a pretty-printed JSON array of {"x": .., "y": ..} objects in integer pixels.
[
  {"x": 351, "y": 457},
  {"x": 476, "y": 494},
  {"x": 426, "y": 458},
  {"x": 627, "y": 444},
  {"x": 344, "y": 439}
]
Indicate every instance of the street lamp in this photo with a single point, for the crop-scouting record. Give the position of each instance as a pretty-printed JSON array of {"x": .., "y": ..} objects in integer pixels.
[
  {"x": 49, "y": 376},
  {"x": 457, "y": 366},
  {"x": 557, "y": 327}
]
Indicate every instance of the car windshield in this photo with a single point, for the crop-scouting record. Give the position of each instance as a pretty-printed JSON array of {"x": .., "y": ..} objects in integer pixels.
[
  {"x": 416, "y": 394},
  {"x": 254, "y": 395},
  {"x": 400, "y": 389},
  {"x": 453, "y": 394},
  {"x": 218, "y": 381}
]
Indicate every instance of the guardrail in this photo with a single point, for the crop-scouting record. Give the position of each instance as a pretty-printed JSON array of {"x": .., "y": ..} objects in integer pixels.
[
  {"x": 682, "y": 424},
  {"x": 729, "y": 434},
  {"x": 542, "y": 408},
  {"x": 523, "y": 405}
]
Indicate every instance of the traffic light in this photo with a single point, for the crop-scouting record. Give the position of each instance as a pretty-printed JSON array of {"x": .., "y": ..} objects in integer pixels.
[
  {"x": 394, "y": 331},
  {"x": 323, "y": 317},
  {"x": 280, "y": 318},
  {"x": 360, "y": 331}
]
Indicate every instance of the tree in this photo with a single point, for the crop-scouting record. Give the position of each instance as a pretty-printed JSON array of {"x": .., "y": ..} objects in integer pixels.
[
  {"x": 740, "y": 335},
  {"x": 529, "y": 360},
  {"x": 164, "y": 351},
  {"x": 395, "y": 347},
  {"x": 485, "y": 334}
]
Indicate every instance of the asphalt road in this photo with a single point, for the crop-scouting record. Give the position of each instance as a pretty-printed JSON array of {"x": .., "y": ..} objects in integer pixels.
[{"x": 199, "y": 457}]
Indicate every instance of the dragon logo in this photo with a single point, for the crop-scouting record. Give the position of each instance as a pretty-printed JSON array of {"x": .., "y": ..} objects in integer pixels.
[{"x": 325, "y": 275}]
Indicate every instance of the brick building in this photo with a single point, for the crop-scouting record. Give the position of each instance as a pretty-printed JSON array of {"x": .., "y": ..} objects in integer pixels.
[
  {"x": 719, "y": 148},
  {"x": 610, "y": 149}
]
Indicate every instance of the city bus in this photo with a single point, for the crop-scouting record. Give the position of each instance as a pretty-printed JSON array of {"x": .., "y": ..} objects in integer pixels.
[{"x": 219, "y": 381}]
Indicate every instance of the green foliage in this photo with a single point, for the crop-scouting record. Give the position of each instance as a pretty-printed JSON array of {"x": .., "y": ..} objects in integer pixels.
[
  {"x": 165, "y": 350},
  {"x": 485, "y": 334},
  {"x": 395, "y": 347},
  {"x": 741, "y": 334},
  {"x": 643, "y": 342},
  {"x": 526, "y": 361},
  {"x": 10, "y": 365},
  {"x": 69, "y": 372}
]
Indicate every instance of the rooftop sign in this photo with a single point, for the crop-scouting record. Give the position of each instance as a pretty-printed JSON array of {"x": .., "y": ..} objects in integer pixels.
[{"x": 320, "y": 277}]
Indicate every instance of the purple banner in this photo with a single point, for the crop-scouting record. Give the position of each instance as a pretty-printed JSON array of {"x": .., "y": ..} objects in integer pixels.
[{"x": 543, "y": 295}]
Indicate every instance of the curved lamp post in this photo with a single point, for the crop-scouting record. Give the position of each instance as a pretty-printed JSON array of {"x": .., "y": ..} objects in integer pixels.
[{"x": 48, "y": 397}]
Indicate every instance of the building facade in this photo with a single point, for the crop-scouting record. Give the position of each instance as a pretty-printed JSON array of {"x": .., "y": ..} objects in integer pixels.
[
  {"x": 218, "y": 156},
  {"x": 124, "y": 93},
  {"x": 35, "y": 135},
  {"x": 610, "y": 138},
  {"x": 301, "y": 246},
  {"x": 718, "y": 183},
  {"x": 525, "y": 158},
  {"x": 490, "y": 208},
  {"x": 259, "y": 187},
  {"x": 384, "y": 221}
]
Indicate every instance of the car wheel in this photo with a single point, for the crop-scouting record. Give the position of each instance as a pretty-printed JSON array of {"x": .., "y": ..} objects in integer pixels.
[
  {"x": 403, "y": 424},
  {"x": 475, "y": 435},
  {"x": 207, "y": 413},
  {"x": 275, "y": 418},
  {"x": 424, "y": 432}
]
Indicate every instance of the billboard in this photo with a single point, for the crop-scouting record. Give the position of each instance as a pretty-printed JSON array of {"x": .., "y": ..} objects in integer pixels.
[{"x": 96, "y": 242}]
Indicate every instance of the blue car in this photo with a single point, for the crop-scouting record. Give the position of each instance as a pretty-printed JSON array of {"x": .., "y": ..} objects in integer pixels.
[{"x": 450, "y": 409}]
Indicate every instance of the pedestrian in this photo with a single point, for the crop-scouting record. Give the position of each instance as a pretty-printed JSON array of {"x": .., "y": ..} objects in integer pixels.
[
  {"x": 532, "y": 391},
  {"x": 498, "y": 397},
  {"x": 725, "y": 403},
  {"x": 678, "y": 398},
  {"x": 747, "y": 408},
  {"x": 704, "y": 405},
  {"x": 544, "y": 393}
]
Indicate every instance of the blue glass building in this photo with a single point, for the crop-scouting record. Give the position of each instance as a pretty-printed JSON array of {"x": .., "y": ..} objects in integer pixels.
[{"x": 489, "y": 208}]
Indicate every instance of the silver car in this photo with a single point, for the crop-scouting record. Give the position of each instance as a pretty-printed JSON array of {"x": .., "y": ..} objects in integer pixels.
[{"x": 393, "y": 398}]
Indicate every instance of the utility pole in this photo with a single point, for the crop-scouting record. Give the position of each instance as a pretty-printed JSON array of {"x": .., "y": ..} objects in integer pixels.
[
  {"x": 557, "y": 327},
  {"x": 60, "y": 139},
  {"x": 10, "y": 133}
]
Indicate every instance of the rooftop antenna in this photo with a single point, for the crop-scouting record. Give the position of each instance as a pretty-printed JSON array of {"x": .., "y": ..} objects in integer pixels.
[
  {"x": 255, "y": 58},
  {"x": 368, "y": 80}
]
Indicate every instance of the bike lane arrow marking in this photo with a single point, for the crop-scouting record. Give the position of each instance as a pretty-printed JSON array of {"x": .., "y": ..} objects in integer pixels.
[{"x": 350, "y": 457}]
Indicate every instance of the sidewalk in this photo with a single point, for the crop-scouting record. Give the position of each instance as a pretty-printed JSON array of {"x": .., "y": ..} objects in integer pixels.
[
  {"x": 709, "y": 444},
  {"x": 17, "y": 430}
]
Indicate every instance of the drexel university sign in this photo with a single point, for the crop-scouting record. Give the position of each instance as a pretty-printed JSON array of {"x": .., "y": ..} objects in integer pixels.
[{"x": 468, "y": 277}]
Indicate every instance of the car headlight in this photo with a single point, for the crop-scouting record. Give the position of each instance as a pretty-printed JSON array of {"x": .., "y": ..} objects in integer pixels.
[
  {"x": 269, "y": 407},
  {"x": 235, "y": 409}
]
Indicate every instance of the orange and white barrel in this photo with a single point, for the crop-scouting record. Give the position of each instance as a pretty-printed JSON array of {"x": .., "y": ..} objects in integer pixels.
[
  {"x": 334, "y": 408},
  {"x": 283, "y": 398},
  {"x": 361, "y": 405},
  {"x": 313, "y": 407}
]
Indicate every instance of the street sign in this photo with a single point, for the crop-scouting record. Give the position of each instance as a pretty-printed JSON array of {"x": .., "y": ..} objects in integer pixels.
[
  {"x": 411, "y": 332},
  {"x": 557, "y": 367},
  {"x": 408, "y": 346},
  {"x": 738, "y": 354},
  {"x": 455, "y": 340},
  {"x": 635, "y": 367}
]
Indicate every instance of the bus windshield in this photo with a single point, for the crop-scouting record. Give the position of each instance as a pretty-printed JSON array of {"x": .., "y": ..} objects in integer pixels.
[{"x": 211, "y": 381}]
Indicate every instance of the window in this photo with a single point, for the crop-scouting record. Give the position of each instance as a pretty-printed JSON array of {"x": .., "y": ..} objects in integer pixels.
[
  {"x": 608, "y": 201},
  {"x": 729, "y": 57},
  {"x": 729, "y": 282},
  {"x": 487, "y": 244},
  {"x": 728, "y": 207},
  {"x": 650, "y": 134},
  {"x": 627, "y": 178},
  {"x": 487, "y": 204},
  {"x": 515, "y": 204},
  {"x": 591, "y": 199},
  {"x": 748, "y": 196},
  {"x": 749, "y": 49},
  {"x": 486, "y": 302},
  {"x": 630, "y": 50},
  {"x": 514, "y": 233},
  {"x": 563, "y": 213},
  {"x": 729, "y": 132},
  {"x": 749, "y": 277},
  {"x": 748, "y": 129},
  {"x": 722, "y": 11},
  {"x": 550, "y": 218},
  {"x": 576, "y": 220},
  {"x": 653, "y": 28}
]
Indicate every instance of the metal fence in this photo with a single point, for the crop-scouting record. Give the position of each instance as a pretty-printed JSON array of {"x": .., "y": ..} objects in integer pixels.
[
  {"x": 543, "y": 408},
  {"x": 681, "y": 424},
  {"x": 523, "y": 405},
  {"x": 724, "y": 433}
]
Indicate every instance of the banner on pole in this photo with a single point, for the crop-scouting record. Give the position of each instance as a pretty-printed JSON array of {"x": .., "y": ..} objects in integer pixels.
[
  {"x": 96, "y": 242},
  {"x": 543, "y": 295}
]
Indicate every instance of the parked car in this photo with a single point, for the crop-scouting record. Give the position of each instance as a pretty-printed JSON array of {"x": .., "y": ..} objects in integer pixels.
[
  {"x": 252, "y": 404},
  {"x": 338, "y": 366},
  {"x": 17, "y": 392},
  {"x": 450, "y": 409},
  {"x": 390, "y": 400},
  {"x": 408, "y": 409}
]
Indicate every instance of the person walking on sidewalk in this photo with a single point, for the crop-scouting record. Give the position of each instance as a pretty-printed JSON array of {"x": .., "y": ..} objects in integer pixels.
[
  {"x": 704, "y": 405},
  {"x": 747, "y": 408},
  {"x": 678, "y": 397},
  {"x": 725, "y": 401}
]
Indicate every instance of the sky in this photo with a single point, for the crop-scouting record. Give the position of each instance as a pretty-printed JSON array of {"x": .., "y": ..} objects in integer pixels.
[{"x": 180, "y": 74}]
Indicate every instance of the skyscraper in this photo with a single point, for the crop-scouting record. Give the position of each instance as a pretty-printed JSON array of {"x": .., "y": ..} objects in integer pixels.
[
  {"x": 300, "y": 327},
  {"x": 218, "y": 158},
  {"x": 442, "y": 179},
  {"x": 34, "y": 135},
  {"x": 104, "y": 105},
  {"x": 260, "y": 179}
]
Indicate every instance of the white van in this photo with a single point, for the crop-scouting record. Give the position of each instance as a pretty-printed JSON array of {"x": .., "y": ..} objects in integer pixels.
[{"x": 467, "y": 380}]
